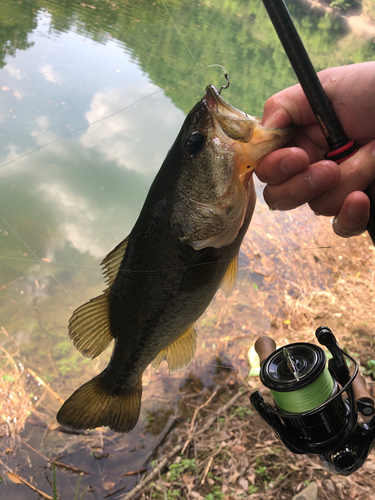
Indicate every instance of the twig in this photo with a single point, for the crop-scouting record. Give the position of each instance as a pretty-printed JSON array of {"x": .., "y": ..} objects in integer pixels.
[
  {"x": 10, "y": 283},
  {"x": 46, "y": 386},
  {"x": 207, "y": 469},
  {"x": 177, "y": 449},
  {"x": 134, "y": 472},
  {"x": 224, "y": 408},
  {"x": 210, "y": 463},
  {"x": 147, "y": 479},
  {"x": 69, "y": 467},
  {"x": 4, "y": 332},
  {"x": 195, "y": 416},
  {"x": 26, "y": 483}
]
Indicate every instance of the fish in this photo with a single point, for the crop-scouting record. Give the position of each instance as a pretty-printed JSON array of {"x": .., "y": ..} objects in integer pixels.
[{"x": 183, "y": 247}]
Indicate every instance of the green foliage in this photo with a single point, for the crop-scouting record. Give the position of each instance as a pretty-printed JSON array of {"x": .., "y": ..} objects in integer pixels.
[
  {"x": 368, "y": 8},
  {"x": 370, "y": 369},
  {"x": 54, "y": 486},
  {"x": 344, "y": 4},
  {"x": 215, "y": 494},
  {"x": 173, "y": 494},
  {"x": 252, "y": 489},
  {"x": 241, "y": 412},
  {"x": 261, "y": 470},
  {"x": 175, "y": 470}
]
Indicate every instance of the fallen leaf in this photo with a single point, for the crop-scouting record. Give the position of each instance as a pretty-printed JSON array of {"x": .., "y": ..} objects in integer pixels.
[
  {"x": 244, "y": 483},
  {"x": 14, "y": 477},
  {"x": 109, "y": 485},
  {"x": 196, "y": 495},
  {"x": 238, "y": 448},
  {"x": 251, "y": 478},
  {"x": 233, "y": 478}
]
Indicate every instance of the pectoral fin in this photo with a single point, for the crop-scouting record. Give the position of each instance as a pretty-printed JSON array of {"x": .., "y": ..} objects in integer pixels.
[
  {"x": 230, "y": 277},
  {"x": 89, "y": 327},
  {"x": 180, "y": 353}
]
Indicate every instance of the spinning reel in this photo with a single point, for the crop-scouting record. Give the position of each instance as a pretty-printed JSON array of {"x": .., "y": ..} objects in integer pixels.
[{"x": 310, "y": 412}]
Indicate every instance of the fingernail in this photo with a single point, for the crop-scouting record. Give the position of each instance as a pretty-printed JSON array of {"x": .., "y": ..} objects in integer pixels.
[
  {"x": 291, "y": 164},
  {"x": 339, "y": 230},
  {"x": 321, "y": 177}
]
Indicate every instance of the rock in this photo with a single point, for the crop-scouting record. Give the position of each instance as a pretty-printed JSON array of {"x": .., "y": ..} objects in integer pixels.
[{"x": 309, "y": 493}]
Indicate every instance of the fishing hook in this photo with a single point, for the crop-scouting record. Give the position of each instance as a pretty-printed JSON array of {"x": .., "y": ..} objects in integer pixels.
[{"x": 227, "y": 85}]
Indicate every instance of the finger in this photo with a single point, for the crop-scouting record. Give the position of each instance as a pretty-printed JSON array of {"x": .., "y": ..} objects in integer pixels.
[
  {"x": 286, "y": 107},
  {"x": 281, "y": 165},
  {"x": 353, "y": 216},
  {"x": 357, "y": 173},
  {"x": 303, "y": 187}
]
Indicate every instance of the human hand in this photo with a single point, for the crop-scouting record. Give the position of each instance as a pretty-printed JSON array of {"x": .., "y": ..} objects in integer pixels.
[{"x": 298, "y": 174}]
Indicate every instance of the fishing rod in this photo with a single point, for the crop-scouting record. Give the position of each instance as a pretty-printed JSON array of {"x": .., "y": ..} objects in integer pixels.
[
  {"x": 309, "y": 411},
  {"x": 340, "y": 147}
]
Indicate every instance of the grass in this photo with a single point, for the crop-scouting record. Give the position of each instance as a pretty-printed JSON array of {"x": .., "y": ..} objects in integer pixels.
[{"x": 76, "y": 495}]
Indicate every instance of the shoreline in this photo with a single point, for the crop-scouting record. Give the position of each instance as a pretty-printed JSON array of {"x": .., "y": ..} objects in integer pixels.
[{"x": 358, "y": 23}]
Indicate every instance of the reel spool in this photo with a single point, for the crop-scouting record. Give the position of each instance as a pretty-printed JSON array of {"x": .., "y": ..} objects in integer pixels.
[{"x": 310, "y": 413}]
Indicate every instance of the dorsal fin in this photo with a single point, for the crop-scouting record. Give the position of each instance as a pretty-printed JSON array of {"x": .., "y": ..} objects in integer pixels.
[
  {"x": 178, "y": 354},
  {"x": 230, "y": 277},
  {"x": 112, "y": 262},
  {"x": 89, "y": 326}
]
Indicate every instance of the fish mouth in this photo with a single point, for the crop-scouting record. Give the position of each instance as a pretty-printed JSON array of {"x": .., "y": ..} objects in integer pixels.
[
  {"x": 243, "y": 133},
  {"x": 217, "y": 105}
]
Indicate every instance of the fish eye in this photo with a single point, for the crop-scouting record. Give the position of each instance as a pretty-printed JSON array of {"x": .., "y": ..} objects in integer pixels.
[{"x": 194, "y": 142}]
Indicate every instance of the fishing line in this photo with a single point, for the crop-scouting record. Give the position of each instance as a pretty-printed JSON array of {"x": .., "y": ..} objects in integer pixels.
[
  {"x": 325, "y": 316},
  {"x": 191, "y": 54},
  {"x": 37, "y": 258},
  {"x": 182, "y": 38},
  {"x": 296, "y": 261},
  {"x": 110, "y": 116},
  {"x": 307, "y": 398},
  {"x": 3, "y": 257},
  {"x": 199, "y": 70}
]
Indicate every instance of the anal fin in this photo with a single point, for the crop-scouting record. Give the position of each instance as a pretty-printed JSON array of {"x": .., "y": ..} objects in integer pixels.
[
  {"x": 179, "y": 354},
  {"x": 230, "y": 277}
]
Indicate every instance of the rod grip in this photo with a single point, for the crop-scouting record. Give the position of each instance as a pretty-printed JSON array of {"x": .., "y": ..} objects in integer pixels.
[
  {"x": 360, "y": 390},
  {"x": 264, "y": 346}
]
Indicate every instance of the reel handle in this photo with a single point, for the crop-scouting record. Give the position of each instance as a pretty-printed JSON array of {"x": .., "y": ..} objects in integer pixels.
[
  {"x": 264, "y": 346},
  {"x": 360, "y": 390}
]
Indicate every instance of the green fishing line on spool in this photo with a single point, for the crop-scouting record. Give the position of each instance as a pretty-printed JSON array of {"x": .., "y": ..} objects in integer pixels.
[{"x": 307, "y": 398}]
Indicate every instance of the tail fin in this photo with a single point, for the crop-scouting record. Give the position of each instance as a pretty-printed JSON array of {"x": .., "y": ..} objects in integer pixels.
[{"x": 92, "y": 406}]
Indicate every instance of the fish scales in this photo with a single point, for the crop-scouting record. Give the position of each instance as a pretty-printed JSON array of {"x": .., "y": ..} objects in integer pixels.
[{"x": 182, "y": 248}]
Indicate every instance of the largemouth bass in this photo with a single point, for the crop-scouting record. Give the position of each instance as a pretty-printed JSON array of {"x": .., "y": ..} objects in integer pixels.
[{"x": 183, "y": 247}]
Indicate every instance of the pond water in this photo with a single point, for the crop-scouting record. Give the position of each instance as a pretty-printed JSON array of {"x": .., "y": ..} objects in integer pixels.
[{"x": 92, "y": 97}]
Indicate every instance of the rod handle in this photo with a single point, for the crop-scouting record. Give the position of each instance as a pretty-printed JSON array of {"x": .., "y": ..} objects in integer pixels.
[
  {"x": 264, "y": 346},
  {"x": 360, "y": 390}
]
